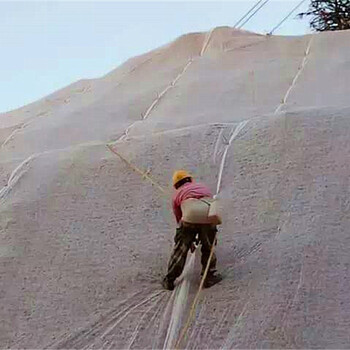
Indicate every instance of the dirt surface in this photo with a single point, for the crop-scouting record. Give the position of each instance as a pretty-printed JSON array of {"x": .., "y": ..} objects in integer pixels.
[{"x": 85, "y": 239}]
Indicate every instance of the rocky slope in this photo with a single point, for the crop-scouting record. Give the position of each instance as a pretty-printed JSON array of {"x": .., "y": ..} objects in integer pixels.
[{"x": 85, "y": 238}]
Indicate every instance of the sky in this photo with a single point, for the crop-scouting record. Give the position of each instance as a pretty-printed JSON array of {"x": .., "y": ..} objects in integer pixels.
[{"x": 47, "y": 45}]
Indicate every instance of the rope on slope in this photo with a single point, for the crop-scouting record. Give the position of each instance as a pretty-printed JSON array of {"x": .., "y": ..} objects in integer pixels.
[{"x": 300, "y": 70}]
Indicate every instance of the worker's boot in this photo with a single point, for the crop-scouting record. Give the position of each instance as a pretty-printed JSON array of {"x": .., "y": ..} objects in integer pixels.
[
  {"x": 211, "y": 279},
  {"x": 167, "y": 284}
]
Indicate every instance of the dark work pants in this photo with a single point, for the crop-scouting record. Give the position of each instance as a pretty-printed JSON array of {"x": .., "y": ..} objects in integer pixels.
[{"x": 184, "y": 237}]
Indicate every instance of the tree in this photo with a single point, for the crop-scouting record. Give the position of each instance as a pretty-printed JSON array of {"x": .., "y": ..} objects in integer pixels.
[{"x": 328, "y": 15}]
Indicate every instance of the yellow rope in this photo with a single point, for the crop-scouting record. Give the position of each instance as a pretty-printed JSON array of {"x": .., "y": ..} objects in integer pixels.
[{"x": 144, "y": 174}]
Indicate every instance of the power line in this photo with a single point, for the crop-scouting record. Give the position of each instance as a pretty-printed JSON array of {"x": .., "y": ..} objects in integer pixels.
[
  {"x": 247, "y": 13},
  {"x": 258, "y": 9},
  {"x": 285, "y": 18}
]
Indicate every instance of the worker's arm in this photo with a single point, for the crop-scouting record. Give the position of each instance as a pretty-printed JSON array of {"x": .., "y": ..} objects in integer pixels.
[{"x": 177, "y": 211}]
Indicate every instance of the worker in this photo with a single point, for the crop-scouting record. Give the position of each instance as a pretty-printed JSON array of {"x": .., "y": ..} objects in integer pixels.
[{"x": 185, "y": 189}]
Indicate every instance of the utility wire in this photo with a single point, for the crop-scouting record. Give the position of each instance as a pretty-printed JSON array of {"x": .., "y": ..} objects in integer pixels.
[
  {"x": 253, "y": 14},
  {"x": 247, "y": 13},
  {"x": 285, "y": 18}
]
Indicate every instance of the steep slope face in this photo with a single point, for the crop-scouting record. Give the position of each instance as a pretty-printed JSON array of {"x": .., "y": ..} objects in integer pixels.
[{"x": 85, "y": 238}]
